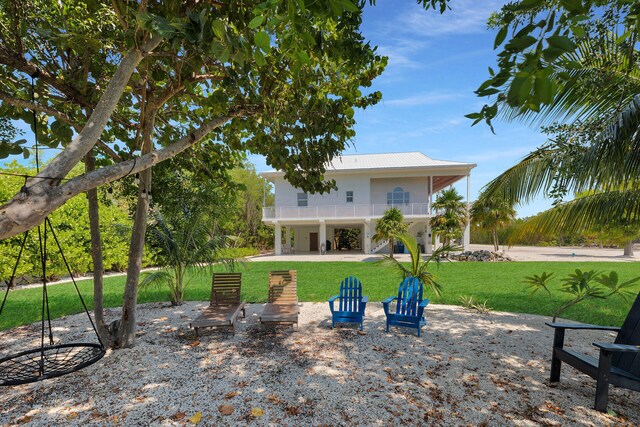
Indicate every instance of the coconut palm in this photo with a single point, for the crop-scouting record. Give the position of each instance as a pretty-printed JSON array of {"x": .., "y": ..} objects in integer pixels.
[
  {"x": 180, "y": 245},
  {"x": 451, "y": 219},
  {"x": 492, "y": 214},
  {"x": 419, "y": 267},
  {"x": 597, "y": 157},
  {"x": 390, "y": 225}
]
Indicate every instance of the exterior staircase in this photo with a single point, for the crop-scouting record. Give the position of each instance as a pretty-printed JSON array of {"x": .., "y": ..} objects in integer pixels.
[{"x": 381, "y": 244}]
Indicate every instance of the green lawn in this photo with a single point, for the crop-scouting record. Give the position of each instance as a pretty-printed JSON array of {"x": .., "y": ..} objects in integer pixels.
[{"x": 499, "y": 283}]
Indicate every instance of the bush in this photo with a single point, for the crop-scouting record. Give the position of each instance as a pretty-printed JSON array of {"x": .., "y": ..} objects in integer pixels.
[{"x": 233, "y": 253}]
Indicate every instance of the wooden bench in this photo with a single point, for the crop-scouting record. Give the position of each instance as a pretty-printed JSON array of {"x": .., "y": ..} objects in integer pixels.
[
  {"x": 225, "y": 305},
  {"x": 618, "y": 364}
]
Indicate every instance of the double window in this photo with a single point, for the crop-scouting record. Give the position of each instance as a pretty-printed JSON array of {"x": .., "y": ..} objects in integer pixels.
[
  {"x": 303, "y": 199},
  {"x": 349, "y": 196},
  {"x": 398, "y": 197}
]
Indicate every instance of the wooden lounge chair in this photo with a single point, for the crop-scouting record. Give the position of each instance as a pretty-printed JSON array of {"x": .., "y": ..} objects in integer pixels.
[
  {"x": 225, "y": 303},
  {"x": 282, "y": 306},
  {"x": 409, "y": 305},
  {"x": 618, "y": 363},
  {"x": 351, "y": 303}
]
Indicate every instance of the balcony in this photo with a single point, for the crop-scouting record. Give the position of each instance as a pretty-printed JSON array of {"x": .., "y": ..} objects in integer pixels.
[{"x": 342, "y": 211}]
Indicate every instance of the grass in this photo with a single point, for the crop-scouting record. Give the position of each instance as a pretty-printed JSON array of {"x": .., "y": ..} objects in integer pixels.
[{"x": 498, "y": 283}]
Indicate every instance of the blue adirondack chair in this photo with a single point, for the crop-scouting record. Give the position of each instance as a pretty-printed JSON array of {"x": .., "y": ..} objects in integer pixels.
[
  {"x": 409, "y": 307},
  {"x": 351, "y": 303}
]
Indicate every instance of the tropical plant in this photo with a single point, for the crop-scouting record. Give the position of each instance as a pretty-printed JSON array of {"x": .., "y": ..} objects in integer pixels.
[
  {"x": 579, "y": 285},
  {"x": 596, "y": 158},
  {"x": 451, "y": 217},
  {"x": 389, "y": 226},
  {"x": 419, "y": 267},
  {"x": 470, "y": 303},
  {"x": 178, "y": 246},
  {"x": 492, "y": 214}
]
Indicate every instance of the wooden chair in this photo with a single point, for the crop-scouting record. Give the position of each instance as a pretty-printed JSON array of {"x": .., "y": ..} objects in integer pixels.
[
  {"x": 225, "y": 305},
  {"x": 618, "y": 363},
  {"x": 282, "y": 306},
  {"x": 351, "y": 303},
  {"x": 409, "y": 305}
]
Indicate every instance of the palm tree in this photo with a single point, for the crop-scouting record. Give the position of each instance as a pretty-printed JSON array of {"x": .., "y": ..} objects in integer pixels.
[
  {"x": 179, "y": 246},
  {"x": 449, "y": 223},
  {"x": 491, "y": 214},
  {"x": 597, "y": 157},
  {"x": 419, "y": 267},
  {"x": 390, "y": 225}
]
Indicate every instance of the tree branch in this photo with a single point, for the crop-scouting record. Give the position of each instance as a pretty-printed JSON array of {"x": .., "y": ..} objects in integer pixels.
[
  {"x": 29, "y": 207},
  {"x": 87, "y": 138}
]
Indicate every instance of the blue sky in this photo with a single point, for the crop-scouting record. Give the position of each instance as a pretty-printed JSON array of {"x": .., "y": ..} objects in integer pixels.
[{"x": 435, "y": 63}]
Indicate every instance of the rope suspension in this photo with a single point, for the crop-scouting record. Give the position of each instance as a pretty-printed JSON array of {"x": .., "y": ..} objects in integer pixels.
[{"x": 50, "y": 360}]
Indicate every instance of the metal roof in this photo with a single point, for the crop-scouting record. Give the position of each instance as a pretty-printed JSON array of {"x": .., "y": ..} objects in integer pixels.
[
  {"x": 413, "y": 159},
  {"x": 388, "y": 161}
]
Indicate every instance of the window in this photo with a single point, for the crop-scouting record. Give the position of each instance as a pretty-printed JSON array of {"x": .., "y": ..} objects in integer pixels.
[
  {"x": 303, "y": 199},
  {"x": 398, "y": 197},
  {"x": 349, "y": 196}
]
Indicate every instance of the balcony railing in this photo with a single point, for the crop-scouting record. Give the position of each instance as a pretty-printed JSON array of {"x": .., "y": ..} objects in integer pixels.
[{"x": 342, "y": 211}]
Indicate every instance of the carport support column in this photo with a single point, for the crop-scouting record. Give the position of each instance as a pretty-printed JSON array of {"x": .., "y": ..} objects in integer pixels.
[
  {"x": 287, "y": 233},
  {"x": 467, "y": 230},
  {"x": 322, "y": 238},
  {"x": 428, "y": 239},
  {"x": 367, "y": 237},
  {"x": 278, "y": 239}
]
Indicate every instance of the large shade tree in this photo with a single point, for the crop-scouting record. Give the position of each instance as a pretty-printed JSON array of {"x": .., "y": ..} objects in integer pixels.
[
  {"x": 576, "y": 62},
  {"x": 126, "y": 85}
]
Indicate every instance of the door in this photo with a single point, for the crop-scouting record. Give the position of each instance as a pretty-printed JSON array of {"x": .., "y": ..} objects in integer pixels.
[{"x": 313, "y": 242}]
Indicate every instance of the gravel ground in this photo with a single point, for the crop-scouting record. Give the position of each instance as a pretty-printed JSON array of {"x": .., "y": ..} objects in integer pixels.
[{"x": 466, "y": 369}]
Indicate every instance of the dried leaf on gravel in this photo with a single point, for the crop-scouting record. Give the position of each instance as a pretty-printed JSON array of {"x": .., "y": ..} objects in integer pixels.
[
  {"x": 257, "y": 412},
  {"x": 23, "y": 420},
  {"x": 195, "y": 419},
  {"x": 231, "y": 395},
  {"x": 226, "y": 409},
  {"x": 178, "y": 416},
  {"x": 72, "y": 416},
  {"x": 194, "y": 344}
]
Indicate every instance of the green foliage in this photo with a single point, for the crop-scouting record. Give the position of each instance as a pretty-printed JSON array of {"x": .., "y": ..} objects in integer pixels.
[
  {"x": 580, "y": 286},
  {"x": 470, "y": 303},
  {"x": 419, "y": 268},
  {"x": 236, "y": 253},
  {"x": 189, "y": 242},
  {"x": 539, "y": 63},
  {"x": 492, "y": 214},
  {"x": 390, "y": 225},
  {"x": 451, "y": 217},
  {"x": 71, "y": 224}
]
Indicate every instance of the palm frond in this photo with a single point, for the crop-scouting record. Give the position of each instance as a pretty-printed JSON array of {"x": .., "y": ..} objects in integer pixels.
[
  {"x": 587, "y": 213},
  {"x": 157, "y": 278}
]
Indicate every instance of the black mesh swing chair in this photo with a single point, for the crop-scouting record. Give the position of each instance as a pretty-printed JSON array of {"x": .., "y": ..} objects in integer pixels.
[{"x": 52, "y": 360}]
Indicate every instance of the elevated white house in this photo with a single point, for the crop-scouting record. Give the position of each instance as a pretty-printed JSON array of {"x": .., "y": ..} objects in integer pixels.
[{"x": 368, "y": 185}]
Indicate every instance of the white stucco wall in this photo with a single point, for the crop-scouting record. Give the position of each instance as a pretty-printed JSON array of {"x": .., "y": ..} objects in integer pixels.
[
  {"x": 287, "y": 195},
  {"x": 418, "y": 188}
]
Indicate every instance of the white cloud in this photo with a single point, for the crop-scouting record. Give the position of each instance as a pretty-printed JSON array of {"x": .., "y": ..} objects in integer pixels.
[{"x": 427, "y": 98}]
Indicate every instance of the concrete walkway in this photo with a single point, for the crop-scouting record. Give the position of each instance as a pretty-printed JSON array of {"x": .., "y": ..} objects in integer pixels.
[{"x": 518, "y": 253}]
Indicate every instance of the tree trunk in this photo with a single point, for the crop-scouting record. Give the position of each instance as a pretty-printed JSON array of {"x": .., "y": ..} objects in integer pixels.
[
  {"x": 496, "y": 244},
  {"x": 628, "y": 249},
  {"x": 96, "y": 256},
  {"x": 391, "y": 247},
  {"x": 127, "y": 328}
]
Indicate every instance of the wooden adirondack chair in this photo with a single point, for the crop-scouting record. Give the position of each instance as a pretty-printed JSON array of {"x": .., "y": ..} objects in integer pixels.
[
  {"x": 618, "y": 363},
  {"x": 225, "y": 305},
  {"x": 409, "y": 305},
  {"x": 282, "y": 306},
  {"x": 351, "y": 303}
]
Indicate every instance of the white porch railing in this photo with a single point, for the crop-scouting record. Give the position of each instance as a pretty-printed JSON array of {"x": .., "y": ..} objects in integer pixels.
[{"x": 342, "y": 211}]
